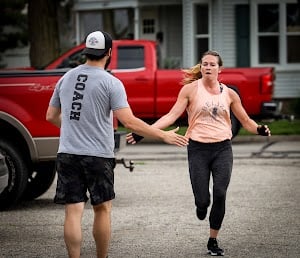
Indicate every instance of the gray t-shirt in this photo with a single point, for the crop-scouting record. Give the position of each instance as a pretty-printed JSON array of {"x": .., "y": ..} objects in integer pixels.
[{"x": 87, "y": 95}]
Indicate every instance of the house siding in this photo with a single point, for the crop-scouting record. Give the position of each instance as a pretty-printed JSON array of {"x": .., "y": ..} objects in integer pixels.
[
  {"x": 223, "y": 40},
  {"x": 287, "y": 84},
  {"x": 223, "y": 34}
]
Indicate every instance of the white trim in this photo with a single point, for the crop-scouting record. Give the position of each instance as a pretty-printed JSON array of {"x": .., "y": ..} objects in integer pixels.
[
  {"x": 208, "y": 35},
  {"x": 253, "y": 35},
  {"x": 140, "y": 69},
  {"x": 217, "y": 42},
  {"x": 17, "y": 84},
  {"x": 136, "y": 23}
]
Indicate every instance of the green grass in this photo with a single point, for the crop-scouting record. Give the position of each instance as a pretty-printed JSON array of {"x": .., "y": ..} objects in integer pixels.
[{"x": 278, "y": 127}]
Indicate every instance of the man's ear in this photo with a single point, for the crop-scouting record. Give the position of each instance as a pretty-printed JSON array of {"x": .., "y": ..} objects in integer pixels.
[{"x": 109, "y": 52}]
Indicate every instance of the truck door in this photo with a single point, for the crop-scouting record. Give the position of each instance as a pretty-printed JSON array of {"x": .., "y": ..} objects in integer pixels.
[{"x": 130, "y": 68}]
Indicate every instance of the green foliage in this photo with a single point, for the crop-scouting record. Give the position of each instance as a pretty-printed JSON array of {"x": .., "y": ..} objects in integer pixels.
[{"x": 13, "y": 24}]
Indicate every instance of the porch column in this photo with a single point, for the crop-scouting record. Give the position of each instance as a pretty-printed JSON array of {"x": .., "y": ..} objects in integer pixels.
[{"x": 136, "y": 23}]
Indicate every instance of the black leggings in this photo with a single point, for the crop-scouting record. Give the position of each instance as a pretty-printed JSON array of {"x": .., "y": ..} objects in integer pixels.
[{"x": 205, "y": 159}]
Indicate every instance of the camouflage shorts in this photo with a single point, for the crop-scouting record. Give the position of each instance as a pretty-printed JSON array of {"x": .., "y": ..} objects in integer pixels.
[{"x": 79, "y": 174}]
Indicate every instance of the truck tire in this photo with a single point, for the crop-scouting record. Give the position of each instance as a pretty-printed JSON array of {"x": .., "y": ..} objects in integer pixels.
[
  {"x": 18, "y": 174},
  {"x": 40, "y": 180}
]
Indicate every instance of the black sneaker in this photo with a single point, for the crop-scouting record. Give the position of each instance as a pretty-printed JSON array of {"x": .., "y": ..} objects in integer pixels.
[
  {"x": 213, "y": 248},
  {"x": 201, "y": 213}
]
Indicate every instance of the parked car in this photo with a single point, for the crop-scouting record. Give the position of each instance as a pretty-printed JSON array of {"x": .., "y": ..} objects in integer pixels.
[{"x": 3, "y": 173}]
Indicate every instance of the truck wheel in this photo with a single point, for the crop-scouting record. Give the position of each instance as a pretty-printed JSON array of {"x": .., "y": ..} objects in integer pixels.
[
  {"x": 18, "y": 174},
  {"x": 235, "y": 125},
  {"x": 40, "y": 180}
]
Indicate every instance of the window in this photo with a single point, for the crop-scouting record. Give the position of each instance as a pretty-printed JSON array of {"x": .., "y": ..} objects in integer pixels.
[
  {"x": 148, "y": 26},
  {"x": 202, "y": 29},
  {"x": 130, "y": 57},
  {"x": 278, "y": 33},
  {"x": 73, "y": 60},
  {"x": 268, "y": 33},
  {"x": 293, "y": 32}
]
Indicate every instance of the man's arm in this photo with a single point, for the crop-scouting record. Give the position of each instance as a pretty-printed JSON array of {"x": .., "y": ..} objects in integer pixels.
[
  {"x": 53, "y": 115},
  {"x": 126, "y": 117}
]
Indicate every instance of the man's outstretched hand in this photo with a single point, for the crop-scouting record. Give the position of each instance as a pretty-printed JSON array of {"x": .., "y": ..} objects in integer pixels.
[
  {"x": 171, "y": 137},
  {"x": 176, "y": 139}
]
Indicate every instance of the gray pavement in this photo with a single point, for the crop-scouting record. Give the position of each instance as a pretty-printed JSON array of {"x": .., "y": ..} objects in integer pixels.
[{"x": 154, "y": 216}]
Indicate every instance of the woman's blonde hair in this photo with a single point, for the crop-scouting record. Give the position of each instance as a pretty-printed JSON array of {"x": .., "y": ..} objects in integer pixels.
[{"x": 194, "y": 72}]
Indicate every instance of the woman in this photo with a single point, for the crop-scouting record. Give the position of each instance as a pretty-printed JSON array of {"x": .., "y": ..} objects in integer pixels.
[{"x": 208, "y": 103}]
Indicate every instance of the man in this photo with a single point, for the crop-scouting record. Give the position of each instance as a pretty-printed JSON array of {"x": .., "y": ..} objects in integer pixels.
[{"x": 82, "y": 105}]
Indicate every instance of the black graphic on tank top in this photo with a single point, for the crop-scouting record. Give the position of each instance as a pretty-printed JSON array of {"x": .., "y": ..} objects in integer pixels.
[{"x": 211, "y": 112}]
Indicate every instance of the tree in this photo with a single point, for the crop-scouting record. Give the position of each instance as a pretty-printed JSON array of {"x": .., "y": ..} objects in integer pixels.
[{"x": 43, "y": 31}]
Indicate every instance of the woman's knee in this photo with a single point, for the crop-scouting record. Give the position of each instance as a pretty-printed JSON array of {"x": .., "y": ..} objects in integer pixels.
[{"x": 219, "y": 194}]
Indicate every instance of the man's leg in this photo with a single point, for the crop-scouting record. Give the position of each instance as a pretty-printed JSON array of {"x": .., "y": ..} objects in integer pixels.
[
  {"x": 102, "y": 228},
  {"x": 72, "y": 228}
]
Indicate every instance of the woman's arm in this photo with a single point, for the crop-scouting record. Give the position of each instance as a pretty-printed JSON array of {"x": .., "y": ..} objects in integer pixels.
[
  {"x": 168, "y": 119},
  {"x": 249, "y": 124}
]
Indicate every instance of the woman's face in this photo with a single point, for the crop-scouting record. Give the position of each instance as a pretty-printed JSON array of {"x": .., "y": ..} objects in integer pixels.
[{"x": 210, "y": 66}]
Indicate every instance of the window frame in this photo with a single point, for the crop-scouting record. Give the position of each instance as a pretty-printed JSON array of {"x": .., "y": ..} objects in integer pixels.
[
  {"x": 282, "y": 35},
  {"x": 140, "y": 52},
  {"x": 208, "y": 35}
]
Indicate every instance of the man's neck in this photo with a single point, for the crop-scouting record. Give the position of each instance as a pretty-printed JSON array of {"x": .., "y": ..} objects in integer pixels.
[{"x": 98, "y": 63}]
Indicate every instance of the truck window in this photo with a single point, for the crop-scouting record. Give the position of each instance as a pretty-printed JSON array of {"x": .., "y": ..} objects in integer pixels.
[
  {"x": 73, "y": 60},
  {"x": 130, "y": 57}
]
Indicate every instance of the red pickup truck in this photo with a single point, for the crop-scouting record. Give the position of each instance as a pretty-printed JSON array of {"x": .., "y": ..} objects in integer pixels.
[
  {"x": 152, "y": 91},
  {"x": 29, "y": 143}
]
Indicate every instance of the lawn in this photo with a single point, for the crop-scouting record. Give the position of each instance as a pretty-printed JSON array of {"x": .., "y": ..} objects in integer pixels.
[{"x": 278, "y": 127}]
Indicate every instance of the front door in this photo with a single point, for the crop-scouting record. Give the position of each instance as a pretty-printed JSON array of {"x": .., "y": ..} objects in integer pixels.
[{"x": 149, "y": 23}]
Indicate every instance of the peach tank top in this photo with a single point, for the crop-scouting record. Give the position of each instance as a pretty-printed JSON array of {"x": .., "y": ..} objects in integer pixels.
[{"x": 209, "y": 115}]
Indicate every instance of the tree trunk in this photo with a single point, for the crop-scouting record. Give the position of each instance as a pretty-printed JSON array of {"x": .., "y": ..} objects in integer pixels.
[{"x": 43, "y": 32}]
